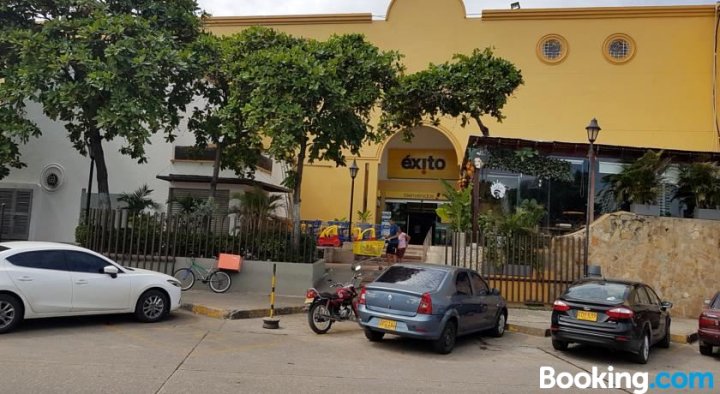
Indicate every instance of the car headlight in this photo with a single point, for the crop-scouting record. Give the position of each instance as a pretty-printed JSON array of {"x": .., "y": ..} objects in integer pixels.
[{"x": 174, "y": 282}]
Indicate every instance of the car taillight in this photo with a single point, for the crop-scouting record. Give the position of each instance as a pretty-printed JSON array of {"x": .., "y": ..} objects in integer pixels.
[
  {"x": 311, "y": 293},
  {"x": 361, "y": 300},
  {"x": 425, "y": 307},
  {"x": 708, "y": 321},
  {"x": 620, "y": 313},
  {"x": 560, "y": 306}
]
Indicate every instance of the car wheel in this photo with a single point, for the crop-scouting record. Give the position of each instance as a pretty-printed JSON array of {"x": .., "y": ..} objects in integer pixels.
[
  {"x": 706, "y": 350},
  {"x": 446, "y": 342},
  {"x": 643, "y": 354},
  {"x": 152, "y": 306},
  {"x": 560, "y": 345},
  {"x": 499, "y": 328},
  {"x": 665, "y": 342},
  {"x": 11, "y": 313},
  {"x": 374, "y": 336}
]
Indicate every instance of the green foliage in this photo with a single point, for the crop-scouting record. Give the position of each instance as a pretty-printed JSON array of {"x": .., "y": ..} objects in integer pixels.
[
  {"x": 470, "y": 87},
  {"x": 364, "y": 216},
  {"x": 256, "y": 205},
  {"x": 188, "y": 204},
  {"x": 639, "y": 182},
  {"x": 529, "y": 161},
  {"x": 457, "y": 211},
  {"x": 139, "y": 200},
  {"x": 699, "y": 185},
  {"x": 81, "y": 234},
  {"x": 113, "y": 69}
]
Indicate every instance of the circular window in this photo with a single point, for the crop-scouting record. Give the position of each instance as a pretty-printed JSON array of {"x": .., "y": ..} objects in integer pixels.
[
  {"x": 552, "y": 49},
  {"x": 619, "y": 48},
  {"x": 51, "y": 177}
]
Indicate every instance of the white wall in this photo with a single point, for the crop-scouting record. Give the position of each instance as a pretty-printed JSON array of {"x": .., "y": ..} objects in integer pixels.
[{"x": 55, "y": 214}]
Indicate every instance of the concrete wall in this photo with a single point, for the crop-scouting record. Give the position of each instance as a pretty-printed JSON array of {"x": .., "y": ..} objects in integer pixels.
[
  {"x": 679, "y": 258},
  {"x": 293, "y": 279}
]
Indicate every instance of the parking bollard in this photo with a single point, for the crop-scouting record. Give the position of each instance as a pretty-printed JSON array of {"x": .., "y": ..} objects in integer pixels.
[{"x": 272, "y": 322}]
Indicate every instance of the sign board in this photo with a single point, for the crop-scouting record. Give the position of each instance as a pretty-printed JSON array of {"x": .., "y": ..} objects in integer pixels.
[
  {"x": 385, "y": 230},
  {"x": 422, "y": 164},
  {"x": 414, "y": 195}
]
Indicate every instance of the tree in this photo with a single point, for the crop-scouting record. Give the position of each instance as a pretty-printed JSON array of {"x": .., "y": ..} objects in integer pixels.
[
  {"x": 470, "y": 87},
  {"x": 139, "y": 200},
  {"x": 256, "y": 206},
  {"x": 639, "y": 182},
  {"x": 457, "y": 211},
  {"x": 106, "y": 68},
  {"x": 314, "y": 99}
]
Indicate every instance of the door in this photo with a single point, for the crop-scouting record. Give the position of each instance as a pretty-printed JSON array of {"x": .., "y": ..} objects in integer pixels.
[
  {"x": 488, "y": 303},
  {"x": 43, "y": 279},
  {"x": 467, "y": 305},
  {"x": 657, "y": 315},
  {"x": 419, "y": 224},
  {"x": 93, "y": 290}
]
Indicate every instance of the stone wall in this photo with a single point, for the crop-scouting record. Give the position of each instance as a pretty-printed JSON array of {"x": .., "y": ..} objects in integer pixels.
[{"x": 679, "y": 258}]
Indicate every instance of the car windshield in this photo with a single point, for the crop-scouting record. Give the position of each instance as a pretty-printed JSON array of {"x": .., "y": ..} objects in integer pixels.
[
  {"x": 602, "y": 292},
  {"x": 420, "y": 279}
]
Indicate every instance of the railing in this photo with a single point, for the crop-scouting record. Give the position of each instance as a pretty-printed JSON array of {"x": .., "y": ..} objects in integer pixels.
[
  {"x": 154, "y": 240},
  {"x": 526, "y": 268}
]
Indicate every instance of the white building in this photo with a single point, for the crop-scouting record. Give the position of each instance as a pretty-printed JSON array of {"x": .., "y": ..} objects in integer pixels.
[{"x": 43, "y": 201}]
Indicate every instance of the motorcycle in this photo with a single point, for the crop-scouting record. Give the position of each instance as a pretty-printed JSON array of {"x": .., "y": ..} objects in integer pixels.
[{"x": 325, "y": 308}]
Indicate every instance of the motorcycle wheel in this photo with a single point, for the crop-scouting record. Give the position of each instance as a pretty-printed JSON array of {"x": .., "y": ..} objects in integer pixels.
[{"x": 319, "y": 318}]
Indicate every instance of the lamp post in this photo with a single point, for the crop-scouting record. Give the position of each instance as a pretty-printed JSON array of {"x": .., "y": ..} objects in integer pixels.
[
  {"x": 593, "y": 129},
  {"x": 353, "y": 173}
]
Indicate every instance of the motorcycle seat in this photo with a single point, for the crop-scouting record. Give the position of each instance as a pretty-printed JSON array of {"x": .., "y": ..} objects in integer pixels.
[{"x": 328, "y": 295}]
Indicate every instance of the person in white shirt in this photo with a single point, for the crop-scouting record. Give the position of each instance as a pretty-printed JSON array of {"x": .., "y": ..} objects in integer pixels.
[{"x": 403, "y": 241}]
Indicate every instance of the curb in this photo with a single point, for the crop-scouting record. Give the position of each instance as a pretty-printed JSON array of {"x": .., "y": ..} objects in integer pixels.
[
  {"x": 682, "y": 339},
  {"x": 234, "y": 314}
]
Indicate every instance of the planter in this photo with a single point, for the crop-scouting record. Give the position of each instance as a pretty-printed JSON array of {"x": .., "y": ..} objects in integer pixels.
[
  {"x": 707, "y": 214},
  {"x": 645, "y": 209}
]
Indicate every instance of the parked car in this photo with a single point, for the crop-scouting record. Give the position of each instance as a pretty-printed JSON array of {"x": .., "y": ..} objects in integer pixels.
[
  {"x": 432, "y": 302},
  {"x": 616, "y": 314},
  {"x": 45, "y": 279},
  {"x": 709, "y": 326}
]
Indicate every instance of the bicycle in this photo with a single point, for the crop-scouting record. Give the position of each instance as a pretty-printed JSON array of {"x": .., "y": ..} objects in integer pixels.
[{"x": 218, "y": 281}]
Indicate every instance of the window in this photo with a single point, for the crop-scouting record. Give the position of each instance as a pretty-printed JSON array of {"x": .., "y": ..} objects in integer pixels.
[
  {"x": 40, "y": 259},
  {"x": 185, "y": 201},
  {"x": 16, "y": 218},
  {"x": 552, "y": 49},
  {"x": 84, "y": 262},
  {"x": 619, "y": 48},
  {"x": 265, "y": 163},
  {"x": 716, "y": 304},
  {"x": 479, "y": 285},
  {"x": 194, "y": 153},
  {"x": 420, "y": 279},
  {"x": 641, "y": 296},
  {"x": 604, "y": 292},
  {"x": 654, "y": 299},
  {"x": 462, "y": 284}
]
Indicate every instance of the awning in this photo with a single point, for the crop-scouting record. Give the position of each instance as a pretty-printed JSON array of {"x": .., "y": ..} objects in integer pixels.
[{"x": 223, "y": 181}]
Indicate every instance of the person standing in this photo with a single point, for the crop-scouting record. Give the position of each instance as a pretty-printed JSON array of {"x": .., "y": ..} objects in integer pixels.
[
  {"x": 392, "y": 243},
  {"x": 403, "y": 241}
]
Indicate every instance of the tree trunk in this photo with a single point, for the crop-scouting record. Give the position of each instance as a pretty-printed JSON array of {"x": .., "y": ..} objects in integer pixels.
[
  {"x": 216, "y": 171},
  {"x": 485, "y": 131},
  {"x": 96, "y": 150},
  {"x": 296, "y": 193}
]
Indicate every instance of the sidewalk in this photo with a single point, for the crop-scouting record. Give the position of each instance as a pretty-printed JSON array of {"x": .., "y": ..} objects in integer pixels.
[{"x": 248, "y": 306}]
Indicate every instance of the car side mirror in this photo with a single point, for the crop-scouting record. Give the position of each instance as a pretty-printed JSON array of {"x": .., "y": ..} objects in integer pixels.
[
  {"x": 665, "y": 305},
  {"x": 494, "y": 291},
  {"x": 111, "y": 270}
]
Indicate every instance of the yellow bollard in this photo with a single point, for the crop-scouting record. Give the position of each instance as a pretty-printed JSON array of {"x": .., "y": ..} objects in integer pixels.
[{"x": 272, "y": 322}]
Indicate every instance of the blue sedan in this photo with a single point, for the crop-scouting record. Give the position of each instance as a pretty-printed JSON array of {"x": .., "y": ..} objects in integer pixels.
[{"x": 432, "y": 302}]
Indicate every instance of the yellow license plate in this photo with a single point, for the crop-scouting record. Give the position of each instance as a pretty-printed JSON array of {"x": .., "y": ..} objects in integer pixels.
[
  {"x": 309, "y": 300},
  {"x": 584, "y": 315},
  {"x": 387, "y": 324}
]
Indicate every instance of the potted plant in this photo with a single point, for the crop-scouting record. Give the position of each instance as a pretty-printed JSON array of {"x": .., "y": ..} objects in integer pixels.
[
  {"x": 457, "y": 214},
  {"x": 638, "y": 185},
  {"x": 699, "y": 189}
]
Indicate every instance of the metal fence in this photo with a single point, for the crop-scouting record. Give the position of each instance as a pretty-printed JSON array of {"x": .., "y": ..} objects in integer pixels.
[
  {"x": 527, "y": 268},
  {"x": 153, "y": 241}
]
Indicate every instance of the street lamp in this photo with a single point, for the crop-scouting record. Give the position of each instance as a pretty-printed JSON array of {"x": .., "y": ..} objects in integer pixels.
[
  {"x": 593, "y": 129},
  {"x": 353, "y": 173}
]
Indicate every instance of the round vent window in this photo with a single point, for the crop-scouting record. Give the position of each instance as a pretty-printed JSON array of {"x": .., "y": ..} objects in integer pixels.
[
  {"x": 52, "y": 177},
  {"x": 552, "y": 49},
  {"x": 619, "y": 48}
]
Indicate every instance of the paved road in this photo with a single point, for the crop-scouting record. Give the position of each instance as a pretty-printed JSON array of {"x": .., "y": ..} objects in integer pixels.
[{"x": 194, "y": 354}]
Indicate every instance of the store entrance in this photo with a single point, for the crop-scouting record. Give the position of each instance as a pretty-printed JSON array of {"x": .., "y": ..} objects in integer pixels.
[{"x": 416, "y": 219}]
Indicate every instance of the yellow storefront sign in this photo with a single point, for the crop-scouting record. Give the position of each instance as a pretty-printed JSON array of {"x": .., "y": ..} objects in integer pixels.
[
  {"x": 422, "y": 164},
  {"x": 414, "y": 195}
]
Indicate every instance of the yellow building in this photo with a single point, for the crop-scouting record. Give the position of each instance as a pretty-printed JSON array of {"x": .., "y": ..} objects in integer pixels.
[{"x": 648, "y": 74}]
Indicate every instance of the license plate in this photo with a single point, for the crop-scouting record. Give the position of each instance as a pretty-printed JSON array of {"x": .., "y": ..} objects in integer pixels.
[
  {"x": 387, "y": 324},
  {"x": 309, "y": 300},
  {"x": 584, "y": 315}
]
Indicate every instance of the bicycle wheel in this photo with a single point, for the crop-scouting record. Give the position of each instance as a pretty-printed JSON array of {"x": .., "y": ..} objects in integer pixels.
[
  {"x": 219, "y": 282},
  {"x": 186, "y": 277}
]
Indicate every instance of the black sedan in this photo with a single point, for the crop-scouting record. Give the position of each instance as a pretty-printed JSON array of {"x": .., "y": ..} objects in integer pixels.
[{"x": 617, "y": 314}]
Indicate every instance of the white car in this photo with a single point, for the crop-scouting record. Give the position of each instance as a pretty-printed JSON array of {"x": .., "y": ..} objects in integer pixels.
[{"x": 46, "y": 279}]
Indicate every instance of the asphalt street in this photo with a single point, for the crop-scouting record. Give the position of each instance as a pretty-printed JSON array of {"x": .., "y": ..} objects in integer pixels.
[{"x": 194, "y": 354}]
